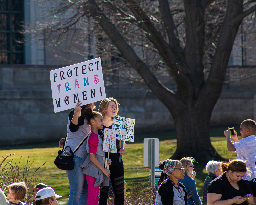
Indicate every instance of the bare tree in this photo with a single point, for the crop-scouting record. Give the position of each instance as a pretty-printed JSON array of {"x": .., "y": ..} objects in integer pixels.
[{"x": 183, "y": 39}]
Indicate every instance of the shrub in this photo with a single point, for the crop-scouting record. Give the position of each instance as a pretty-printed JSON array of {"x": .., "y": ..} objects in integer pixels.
[{"x": 11, "y": 172}]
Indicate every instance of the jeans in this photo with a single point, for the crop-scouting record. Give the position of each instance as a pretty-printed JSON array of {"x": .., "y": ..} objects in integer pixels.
[{"x": 78, "y": 185}]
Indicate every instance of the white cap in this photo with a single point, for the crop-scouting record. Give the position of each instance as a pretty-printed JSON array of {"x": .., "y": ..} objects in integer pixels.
[{"x": 45, "y": 193}]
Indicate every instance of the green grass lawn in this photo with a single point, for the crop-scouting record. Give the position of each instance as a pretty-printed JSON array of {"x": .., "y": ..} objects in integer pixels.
[{"x": 135, "y": 172}]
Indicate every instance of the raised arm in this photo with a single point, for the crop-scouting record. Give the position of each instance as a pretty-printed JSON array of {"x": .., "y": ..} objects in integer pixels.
[
  {"x": 230, "y": 146},
  {"x": 77, "y": 113}
]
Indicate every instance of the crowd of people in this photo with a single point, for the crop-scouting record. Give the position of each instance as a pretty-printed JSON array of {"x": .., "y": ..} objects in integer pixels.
[
  {"x": 90, "y": 179},
  {"x": 95, "y": 171},
  {"x": 227, "y": 183},
  {"x": 42, "y": 194}
]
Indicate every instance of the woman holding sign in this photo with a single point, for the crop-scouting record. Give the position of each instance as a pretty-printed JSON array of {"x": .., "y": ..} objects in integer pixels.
[
  {"x": 109, "y": 109},
  {"x": 77, "y": 129}
]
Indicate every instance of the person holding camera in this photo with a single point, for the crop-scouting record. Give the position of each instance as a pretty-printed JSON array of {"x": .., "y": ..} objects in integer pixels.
[{"x": 246, "y": 147}]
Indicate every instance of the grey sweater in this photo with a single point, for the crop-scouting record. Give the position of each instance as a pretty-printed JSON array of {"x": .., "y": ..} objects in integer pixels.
[{"x": 76, "y": 133}]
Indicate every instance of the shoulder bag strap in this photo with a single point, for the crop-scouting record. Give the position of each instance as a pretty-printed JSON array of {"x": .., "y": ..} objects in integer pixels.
[{"x": 81, "y": 142}]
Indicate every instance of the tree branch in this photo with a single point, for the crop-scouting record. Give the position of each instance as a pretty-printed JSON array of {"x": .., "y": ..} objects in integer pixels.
[
  {"x": 128, "y": 53},
  {"x": 212, "y": 37},
  {"x": 176, "y": 65},
  {"x": 248, "y": 3},
  {"x": 195, "y": 36},
  {"x": 244, "y": 14},
  {"x": 206, "y": 3},
  {"x": 220, "y": 60},
  {"x": 118, "y": 10},
  {"x": 170, "y": 27}
]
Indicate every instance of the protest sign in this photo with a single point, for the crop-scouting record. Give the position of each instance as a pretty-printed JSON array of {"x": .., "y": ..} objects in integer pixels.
[
  {"x": 109, "y": 143},
  {"x": 79, "y": 82},
  {"x": 130, "y": 123},
  {"x": 124, "y": 128}
]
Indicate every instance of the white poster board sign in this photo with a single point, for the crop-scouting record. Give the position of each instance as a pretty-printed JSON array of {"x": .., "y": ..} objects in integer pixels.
[
  {"x": 79, "y": 82},
  {"x": 109, "y": 144},
  {"x": 122, "y": 129}
]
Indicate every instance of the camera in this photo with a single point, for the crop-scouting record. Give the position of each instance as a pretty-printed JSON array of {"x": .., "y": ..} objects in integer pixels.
[{"x": 232, "y": 130}]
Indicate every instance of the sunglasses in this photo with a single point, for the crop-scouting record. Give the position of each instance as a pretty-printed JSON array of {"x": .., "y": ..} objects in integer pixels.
[{"x": 182, "y": 169}]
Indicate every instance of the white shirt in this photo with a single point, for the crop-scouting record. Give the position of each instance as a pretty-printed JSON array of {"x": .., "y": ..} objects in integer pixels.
[
  {"x": 178, "y": 197},
  {"x": 246, "y": 150},
  {"x": 158, "y": 200},
  {"x": 179, "y": 194}
]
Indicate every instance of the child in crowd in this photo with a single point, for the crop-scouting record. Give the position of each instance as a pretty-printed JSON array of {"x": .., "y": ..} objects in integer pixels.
[
  {"x": 16, "y": 193},
  {"x": 189, "y": 182},
  {"x": 35, "y": 189},
  {"x": 109, "y": 109},
  {"x": 93, "y": 164},
  {"x": 46, "y": 196},
  {"x": 246, "y": 147}
]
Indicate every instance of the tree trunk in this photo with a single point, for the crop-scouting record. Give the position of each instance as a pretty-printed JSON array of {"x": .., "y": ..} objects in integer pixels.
[
  {"x": 191, "y": 106},
  {"x": 192, "y": 127}
]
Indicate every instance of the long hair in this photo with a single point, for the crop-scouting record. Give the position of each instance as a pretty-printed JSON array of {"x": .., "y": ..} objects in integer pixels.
[
  {"x": 185, "y": 161},
  {"x": 104, "y": 105}
]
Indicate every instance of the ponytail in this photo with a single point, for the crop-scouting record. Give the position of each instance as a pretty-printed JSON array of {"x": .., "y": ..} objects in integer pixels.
[
  {"x": 161, "y": 164},
  {"x": 90, "y": 114},
  {"x": 235, "y": 166},
  {"x": 224, "y": 167}
]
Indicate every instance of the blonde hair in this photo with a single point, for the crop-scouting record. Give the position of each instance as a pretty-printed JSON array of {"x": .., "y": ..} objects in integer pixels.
[
  {"x": 20, "y": 190},
  {"x": 185, "y": 161},
  {"x": 104, "y": 105}
]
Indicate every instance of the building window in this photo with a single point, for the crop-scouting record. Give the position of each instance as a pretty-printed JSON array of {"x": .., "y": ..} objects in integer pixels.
[{"x": 11, "y": 37}]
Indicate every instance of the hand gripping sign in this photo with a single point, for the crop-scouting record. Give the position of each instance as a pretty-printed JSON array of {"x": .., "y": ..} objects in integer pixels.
[{"x": 79, "y": 82}]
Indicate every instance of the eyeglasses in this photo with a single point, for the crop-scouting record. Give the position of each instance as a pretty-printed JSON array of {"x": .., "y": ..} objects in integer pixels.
[{"x": 182, "y": 169}]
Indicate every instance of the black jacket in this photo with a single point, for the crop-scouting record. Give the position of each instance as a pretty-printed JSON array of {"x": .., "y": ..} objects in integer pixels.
[{"x": 165, "y": 190}]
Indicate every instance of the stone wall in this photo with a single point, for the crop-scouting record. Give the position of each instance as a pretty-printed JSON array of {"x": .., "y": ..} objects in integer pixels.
[{"x": 26, "y": 111}]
